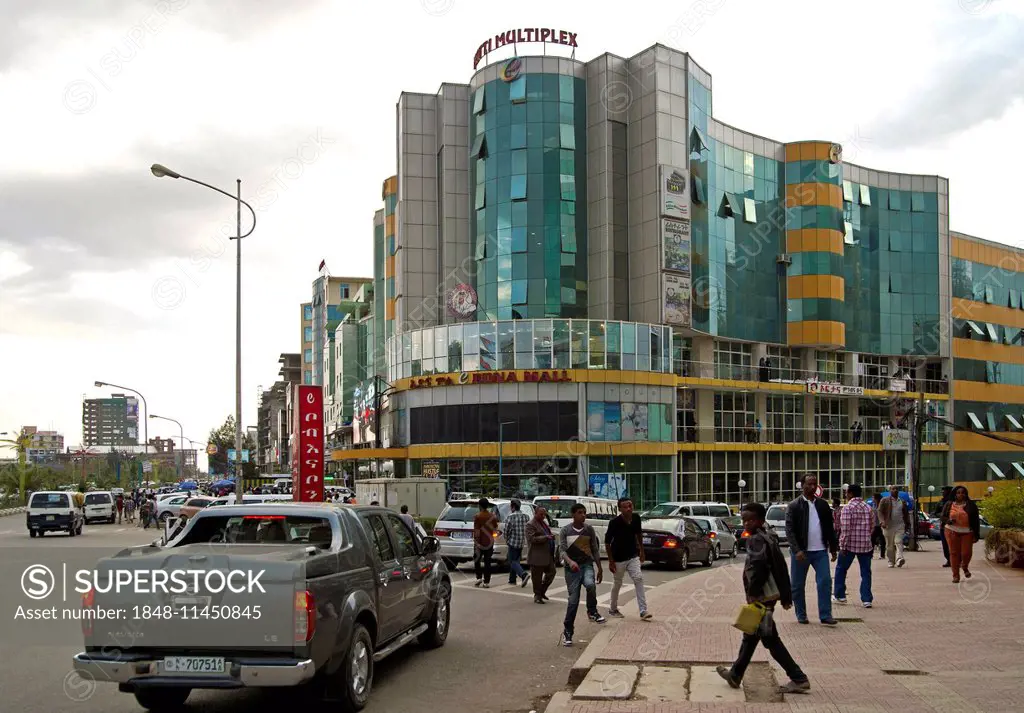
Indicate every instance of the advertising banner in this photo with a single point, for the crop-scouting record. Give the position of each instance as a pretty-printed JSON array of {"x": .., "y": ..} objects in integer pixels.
[
  {"x": 895, "y": 439},
  {"x": 634, "y": 422},
  {"x": 595, "y": 421},
  {"x": 676, "y": 299},
  {"x": 307, "y": 443},
  {"x": 675, "y": 192},
  {"x": 675, "y": 237},
  {"x": 831, "y": 389},
  {"x": 612, "y": 422},
  {"x": 608, "y": 485}
]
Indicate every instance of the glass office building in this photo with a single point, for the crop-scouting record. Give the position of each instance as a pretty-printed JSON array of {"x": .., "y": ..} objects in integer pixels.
[{"x": 591, "y": 283}]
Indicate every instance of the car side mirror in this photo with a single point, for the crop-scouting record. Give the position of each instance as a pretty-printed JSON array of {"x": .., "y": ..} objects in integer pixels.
[{"x": 431, "y": 545}]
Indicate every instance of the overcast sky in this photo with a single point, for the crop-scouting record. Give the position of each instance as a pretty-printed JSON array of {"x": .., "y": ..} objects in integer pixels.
[{"x": 108, "y": 273}]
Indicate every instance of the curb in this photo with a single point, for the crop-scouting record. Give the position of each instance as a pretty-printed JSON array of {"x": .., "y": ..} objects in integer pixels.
[
  {"x": 11, "y": 511},
  {"x": 581, "y": 668},
  {"x": 561, "y": 702}
]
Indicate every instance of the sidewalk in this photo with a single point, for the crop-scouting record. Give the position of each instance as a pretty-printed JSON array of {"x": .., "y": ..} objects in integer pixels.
[{"x": 927, "y": 645}]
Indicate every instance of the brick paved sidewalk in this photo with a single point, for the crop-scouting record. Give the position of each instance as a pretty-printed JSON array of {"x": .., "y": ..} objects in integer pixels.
[{"x": 926, "y": 645}]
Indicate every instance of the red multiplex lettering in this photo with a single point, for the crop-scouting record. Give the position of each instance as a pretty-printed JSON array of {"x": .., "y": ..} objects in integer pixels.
[
  {"x": 527, "y": 35},
  {"x": 308, "y": 444}
]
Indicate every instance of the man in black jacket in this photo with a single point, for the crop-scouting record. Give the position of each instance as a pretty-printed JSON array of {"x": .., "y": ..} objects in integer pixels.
[
  {"x": 812, "y": 537},
  {"x": 765, "y": 580}
]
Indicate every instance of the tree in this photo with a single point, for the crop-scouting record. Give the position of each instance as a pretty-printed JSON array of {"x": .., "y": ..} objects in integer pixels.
[
  {"x": 20, "y": 443},
  {"x": 224, "y": 439}
]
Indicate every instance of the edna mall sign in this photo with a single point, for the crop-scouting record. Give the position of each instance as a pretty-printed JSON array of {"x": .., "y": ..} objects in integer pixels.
[
  {"x": 492, "y": 377},
  {"x": 527, "y": 34}
]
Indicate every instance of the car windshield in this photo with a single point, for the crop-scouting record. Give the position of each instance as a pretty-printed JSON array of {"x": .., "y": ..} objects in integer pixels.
[
  {"x": 776, "y": 512},
  {"x": 733, "y": 521},
  {"x": 461, "y": 512},
  {"x": 557, "y": 507},
  {"x": 97, "y": 499},
  {"x": 197, "y": 503},
  {"x": 663, "y": 510},
  {"x": 49, "y": 500},
  {"x": 260, "y": 530},
  {"x": 719, "y": 510}
]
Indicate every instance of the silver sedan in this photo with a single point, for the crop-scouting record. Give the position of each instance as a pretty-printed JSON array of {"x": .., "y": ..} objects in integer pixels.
[{"x": 723, "y": 537}]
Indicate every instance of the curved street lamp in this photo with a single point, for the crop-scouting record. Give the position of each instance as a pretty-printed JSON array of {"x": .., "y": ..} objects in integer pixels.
[
  {"x": 161, "y": 171},
  {"x": 181, "y": 451}
]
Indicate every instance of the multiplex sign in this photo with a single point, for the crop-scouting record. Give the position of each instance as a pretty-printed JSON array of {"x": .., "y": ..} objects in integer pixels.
[
  {"x": 526, "y": 34},
  {"x": 307, "y": 444},
  {"x": 821, "y": 387},
  {"x": 492, "y": 377}
]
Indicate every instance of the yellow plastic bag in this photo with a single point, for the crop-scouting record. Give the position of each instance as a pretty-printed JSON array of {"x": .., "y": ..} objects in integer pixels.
[{"x": 750, "y": 617}]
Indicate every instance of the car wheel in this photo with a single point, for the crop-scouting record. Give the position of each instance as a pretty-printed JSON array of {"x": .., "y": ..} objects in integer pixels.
[
  {"x": 78, "y": 530},
  {"x": 355, "y": 675},
  {"x": 437, "y": 628},
  {"x": 71, "y": 531},
  {"x": 162, "y": 517},
  {"x": 712, "y": 556},
  {"x": 85, "y": 520},
  {"x": 735, "y": 551},
  {"x": 684, "y": 561},
  {"x": 162, "y": 699},
  {"x": 31, "y": 533}
]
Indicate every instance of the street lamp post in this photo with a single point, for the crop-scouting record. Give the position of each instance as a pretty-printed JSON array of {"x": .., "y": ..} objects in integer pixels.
[
  {"x": 742, "y": 484},
  {"x": 181, "y": 451},
  {"x": 161, "y": 172},
  {"x": 501, "y": 449},
  {"x": 145, "y": 425}
]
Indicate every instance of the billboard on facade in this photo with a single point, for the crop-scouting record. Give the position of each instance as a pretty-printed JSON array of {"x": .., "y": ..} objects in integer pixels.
[
  {"x": 132, "y": 408},
  {"x": 675, "y": 192},
  {"x": 675, "y": 299},
  {"x": 307, "y": 443},
  {"x": 675, "y": 237},
  {"x": 612, "y": 422},
  {"x": 363, "y": 416},
  {"x": 634, "y": 422},
  {"x": 595, "y": 421},
  {"x": 608, "y": 485}
]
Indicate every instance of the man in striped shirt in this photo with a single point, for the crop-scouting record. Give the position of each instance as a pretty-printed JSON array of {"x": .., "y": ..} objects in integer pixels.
[{"x": 856, "y": 523}]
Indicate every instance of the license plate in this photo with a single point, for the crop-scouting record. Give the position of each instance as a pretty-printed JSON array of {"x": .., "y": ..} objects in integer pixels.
[
  {"x": 50, "y": 517},
  {"x": 647, "y": 540},
  {"x": 194, "y": 664},
  {"x": 461, "y": 535}
]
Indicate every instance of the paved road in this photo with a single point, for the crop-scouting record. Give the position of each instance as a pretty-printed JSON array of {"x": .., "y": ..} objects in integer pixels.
[{"x": 502, "y": 652}]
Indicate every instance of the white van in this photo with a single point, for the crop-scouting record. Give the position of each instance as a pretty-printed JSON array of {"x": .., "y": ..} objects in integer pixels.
[
  {"x": 50, "y": 510},
  {"x": 600, "y": 511},
  {"x": 689, "y": 509},
  {"x": 99, "y": 505}
]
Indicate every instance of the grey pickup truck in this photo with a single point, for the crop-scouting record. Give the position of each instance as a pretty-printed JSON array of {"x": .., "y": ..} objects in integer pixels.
[{"x": 263, "y": 595}]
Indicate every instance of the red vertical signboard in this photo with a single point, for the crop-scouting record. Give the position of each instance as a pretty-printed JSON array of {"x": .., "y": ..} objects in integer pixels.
[{"x": 307, "y": 444}]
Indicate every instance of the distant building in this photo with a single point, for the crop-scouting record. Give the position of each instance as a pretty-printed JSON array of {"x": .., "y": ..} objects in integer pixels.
[
  {"x": 273, "y": 429},
  {"x": 112, "y": 421},
  {"x": 45, "y": 445}
]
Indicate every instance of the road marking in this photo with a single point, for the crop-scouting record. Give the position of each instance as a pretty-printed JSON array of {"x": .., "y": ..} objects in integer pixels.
[{"x": 123, "y": 529}]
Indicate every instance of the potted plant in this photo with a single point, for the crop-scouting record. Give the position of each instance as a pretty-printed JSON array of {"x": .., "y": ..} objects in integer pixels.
[{"x": 1004, "y": 510}]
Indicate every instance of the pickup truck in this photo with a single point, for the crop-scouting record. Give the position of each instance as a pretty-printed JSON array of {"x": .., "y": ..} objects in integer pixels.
[{"x": 338, "y": 588}]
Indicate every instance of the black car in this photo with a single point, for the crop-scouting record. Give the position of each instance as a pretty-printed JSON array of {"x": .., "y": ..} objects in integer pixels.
[
  {"x": 677, "y": 541},
  {"x": 345, "y": 587}
]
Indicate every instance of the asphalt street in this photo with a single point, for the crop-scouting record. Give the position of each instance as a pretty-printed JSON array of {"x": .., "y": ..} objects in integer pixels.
[{"x": 502, "y": 653}]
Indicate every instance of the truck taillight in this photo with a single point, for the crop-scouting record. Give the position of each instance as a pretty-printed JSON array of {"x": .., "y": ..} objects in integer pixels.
[
  {"x": 305, "y": 617},
  {"x": 88, "y": 603}
]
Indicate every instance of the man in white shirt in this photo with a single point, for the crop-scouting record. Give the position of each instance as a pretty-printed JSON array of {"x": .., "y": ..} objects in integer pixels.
[{"x": 812, "y": 536}]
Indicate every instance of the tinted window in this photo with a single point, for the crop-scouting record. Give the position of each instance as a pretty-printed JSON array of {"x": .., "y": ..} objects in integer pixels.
[
  {"x": 539, "y": 421},
  {"x": 719, "y": 510},
  {"x": 461, "y": 512},
  {"x": 197, "y": 503},
  {"x": 50, "y": 500},
  {"x": 776, "y": 512},
  {"x": 556, "y": 508},
  {"x": 379, "y": 533},
  {"x": 664, "y": 510},
  {"x": 691, "y": 528},
  {"x": 97, "y": 499},
  {"x": 404, "y": 538},
  {"x": 699, "y": 510},
  {"x": 259, "y": 529}
]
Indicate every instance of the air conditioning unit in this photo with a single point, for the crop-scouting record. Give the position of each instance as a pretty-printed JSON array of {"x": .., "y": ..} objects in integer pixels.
[{"x": 784, "y": 259}]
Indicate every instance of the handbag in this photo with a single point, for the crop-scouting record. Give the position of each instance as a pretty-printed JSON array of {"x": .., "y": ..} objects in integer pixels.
[{"x": 749, "y": 618}]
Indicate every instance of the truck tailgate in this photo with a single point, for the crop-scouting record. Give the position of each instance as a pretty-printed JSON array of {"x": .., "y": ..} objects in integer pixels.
[{"x": 196, "y": 598}]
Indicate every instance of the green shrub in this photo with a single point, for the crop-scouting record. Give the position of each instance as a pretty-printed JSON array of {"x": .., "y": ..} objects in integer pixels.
[
  {"x": 1005, "y": 508},
  {"x": 427, "y": 522}
]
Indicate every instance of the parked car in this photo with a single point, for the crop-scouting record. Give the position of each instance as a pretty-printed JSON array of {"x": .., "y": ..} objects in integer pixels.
[
  {"x": 169, "y": 507},
  {"x": 776, "y": 518},
  {"x": 924, "y": 528},
  {"x": 191, "y": 507},
  {"x": 676, "y": 541},
  {"x": 99, "y": 505},
  {"x": 344, "y": 588},
  {"x": 50, "y": 510},
  {"x": 724, "y": 539},
  {"x": 600, "y": 511},
  {"x": 689, "y": 509},
  {"x": 454, "y": 529}
]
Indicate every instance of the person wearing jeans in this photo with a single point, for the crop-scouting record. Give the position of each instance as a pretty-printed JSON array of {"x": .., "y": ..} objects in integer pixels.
[
  {"x": 624, "y": 545},
  {"x": 578, "y": 545},
  {"x": 485, "y": 527},
  {"x": 811, "y": 538},
  {"x": 857, "y": 522},
  {"x": 515, "y": 538}
]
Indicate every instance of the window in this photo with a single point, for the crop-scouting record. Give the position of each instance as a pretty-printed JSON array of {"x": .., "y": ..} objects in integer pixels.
[
  {"x": 749, "y": 210},
  {"x": 848, "y": 191},
  {"x": 992, "y": 333},
  {"x": 865, "y": 195},
  {"x": 917, "y": 202},
  {"x": 478, "y": 101},
  {"x": 381, "y": 541},
  {"x": 1019, "y": 468},
  {"x": 307, "y": 312},
  {"x": 567, "y": 183},
  {"x": 345, "y": 291},
  {"x": 994, "y": 469},
  {"x": 894, "y": 283},
  {"x": 990, "y": 419},
  {"x": 403, "y": 536},
  {"x": 518, "y": 136},
  {"x": 517, "y": 90},
  {"x": 307, "y": 378},
  {"x": 479, "y": 149},
  {"x": 481, "y": 195},
  {"x": 848, "y": 233},
  {"x": 974, "y": 328},
  {"x": 699, "y": 194},
  {"x": 307, "y": 356},
  {"x": 894, "y": 200},
  {"x": 518, "y": 192},
  {"x": 988, "y": 294},
  {"x": 1014, "y": 299},
  {"x": 894, "y": 241},
  {"x": 307, "y": 334},
  {"x": 519, "y": 292},
  {"x": 729, "y": 206},
  {"x": 519, "y": 240},
  {"x": 567, "y": 136},
  {"x": 1013, "y": 421}
]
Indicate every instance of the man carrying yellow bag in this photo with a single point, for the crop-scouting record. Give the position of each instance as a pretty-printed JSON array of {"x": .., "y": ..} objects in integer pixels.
[{"x": 766, "y": 583}]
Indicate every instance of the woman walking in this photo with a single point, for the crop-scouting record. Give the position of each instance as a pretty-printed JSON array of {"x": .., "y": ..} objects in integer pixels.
[{"x": 961, "y": 523}]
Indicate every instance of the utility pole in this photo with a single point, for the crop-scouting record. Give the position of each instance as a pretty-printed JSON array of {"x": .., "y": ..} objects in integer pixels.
[{"x": 919, "y": 422}]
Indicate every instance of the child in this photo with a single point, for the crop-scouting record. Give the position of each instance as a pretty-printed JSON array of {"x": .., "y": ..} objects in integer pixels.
[{"x": 765, "y": 580}]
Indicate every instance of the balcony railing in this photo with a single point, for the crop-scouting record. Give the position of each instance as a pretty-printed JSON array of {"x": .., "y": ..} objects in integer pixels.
[
  {"x": 786, "y": 375},
  {"x": 822, "y": 436}
]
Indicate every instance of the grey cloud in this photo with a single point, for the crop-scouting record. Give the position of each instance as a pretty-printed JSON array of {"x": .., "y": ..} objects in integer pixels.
[
  {"x": 33, "y": 24},
  {"x": 980, "y": 79}
]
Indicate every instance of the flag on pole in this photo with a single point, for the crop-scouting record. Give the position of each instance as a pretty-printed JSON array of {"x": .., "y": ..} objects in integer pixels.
[{"x": 323, "y": 266}]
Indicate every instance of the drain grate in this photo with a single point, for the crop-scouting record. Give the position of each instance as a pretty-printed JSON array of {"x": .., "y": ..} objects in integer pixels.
[{"x": 908, "y": 672}]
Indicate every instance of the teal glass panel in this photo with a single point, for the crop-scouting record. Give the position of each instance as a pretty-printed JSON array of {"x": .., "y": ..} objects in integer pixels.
[{"x": 518, "y": 189}]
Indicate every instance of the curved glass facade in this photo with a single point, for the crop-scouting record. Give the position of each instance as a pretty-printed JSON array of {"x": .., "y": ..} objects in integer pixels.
[
  {"x": 531, "y": 344},
  {"x": 528, "y": 175}
]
